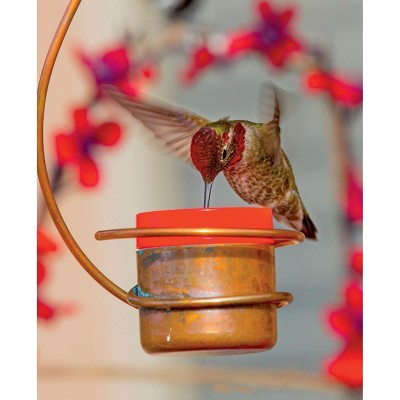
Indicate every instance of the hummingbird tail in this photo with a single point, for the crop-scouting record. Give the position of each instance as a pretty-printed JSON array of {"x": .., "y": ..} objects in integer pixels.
[{"x": 309, "y": 229}]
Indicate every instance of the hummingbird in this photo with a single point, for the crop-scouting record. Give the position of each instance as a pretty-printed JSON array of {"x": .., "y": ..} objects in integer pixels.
[{"x": 249, "y": 154}]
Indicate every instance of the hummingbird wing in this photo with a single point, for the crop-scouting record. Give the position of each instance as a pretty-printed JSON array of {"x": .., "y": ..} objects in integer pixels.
[
  {"x": 270, "y": 132},
  {"x": 173, "y": 126}
]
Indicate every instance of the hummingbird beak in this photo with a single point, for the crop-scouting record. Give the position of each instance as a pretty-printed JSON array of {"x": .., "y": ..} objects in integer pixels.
[{"x": 207, "y": 193}]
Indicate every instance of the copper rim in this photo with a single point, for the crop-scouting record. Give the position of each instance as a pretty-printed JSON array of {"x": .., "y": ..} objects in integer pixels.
[
  {"x": 280, "y": 299},
  {"x": 279, "y": 236}
]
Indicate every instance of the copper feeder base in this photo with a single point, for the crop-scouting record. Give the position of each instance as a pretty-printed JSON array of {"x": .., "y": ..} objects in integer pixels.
[{"x": 209, "y": 299}]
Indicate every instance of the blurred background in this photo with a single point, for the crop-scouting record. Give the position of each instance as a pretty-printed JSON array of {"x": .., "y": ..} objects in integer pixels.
[{"x": 88, "y": 341}]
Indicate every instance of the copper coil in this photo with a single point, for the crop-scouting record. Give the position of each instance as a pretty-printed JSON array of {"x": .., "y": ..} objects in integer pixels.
[
  {"x": 281, "y": 237},
  {"x": 279, "y": 299}
]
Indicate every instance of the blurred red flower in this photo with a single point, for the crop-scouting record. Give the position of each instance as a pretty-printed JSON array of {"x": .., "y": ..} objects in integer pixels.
[
  {"x": 347, "y": 322},
  {"x": 354, "y": 197},
  {"x": 116, "y": 66},
  {"x": 201, "y": 59},
  {"x": 270, "y": 37},
  {"x": 347, "y": 367},
  {"x": 76, "y": 148},
  {"x": 356, "y": 260},
  {"x": 339, "y": 88},
  {"x": 44, "y": 245},
  {"x": 347, "y": 319}
]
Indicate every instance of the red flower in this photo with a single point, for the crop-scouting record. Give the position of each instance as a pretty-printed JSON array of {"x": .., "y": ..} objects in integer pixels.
[
  {"x": 340, "y": 89},
  {"x": 347, "y": 321},
  {"x": 115, "y": 67},
  {"x": 76, "y": 148},
  {"x": 347, "y": 367},
  {"x": 271, "y": 37},
  {"x": 356, "y": 260},
  {"x": 46, "y": 311},
  {"x": 354, "y": 197},
  {"x": 202, "y": 58},
  {"x": 44, "y": 243},
  {"x": 44, "y": 246}
]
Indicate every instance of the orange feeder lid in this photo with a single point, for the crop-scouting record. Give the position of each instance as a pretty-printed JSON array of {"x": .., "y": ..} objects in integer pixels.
[{"x": 227, "y": 217}]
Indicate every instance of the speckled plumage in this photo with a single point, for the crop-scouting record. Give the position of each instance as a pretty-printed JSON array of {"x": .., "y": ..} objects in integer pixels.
[
  {"x": 249, "y": 154},
  {"x": 266, "y": 179}
]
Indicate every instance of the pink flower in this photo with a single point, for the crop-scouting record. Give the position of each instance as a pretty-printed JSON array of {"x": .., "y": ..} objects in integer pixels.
[
  {"x": 354, "y": 197},
  {"x": 270, "y": 37},
  {"x": 115, "y": 66},
  {"x": 77, "y": 147},
  {"x": 339, "y": 88}
]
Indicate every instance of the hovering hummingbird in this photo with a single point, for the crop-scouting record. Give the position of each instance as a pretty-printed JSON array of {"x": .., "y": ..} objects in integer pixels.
[{"x": 249, "y": 154}]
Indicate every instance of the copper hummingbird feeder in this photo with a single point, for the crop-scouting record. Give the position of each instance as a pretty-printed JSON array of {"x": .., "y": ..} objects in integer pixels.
[
  {"x": 209, "y": 288},
  {"x": 206, "y": 277}
]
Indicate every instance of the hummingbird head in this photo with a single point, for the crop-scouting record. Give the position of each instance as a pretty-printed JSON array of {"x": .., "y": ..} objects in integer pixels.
[{"x": 216, "y": 146}]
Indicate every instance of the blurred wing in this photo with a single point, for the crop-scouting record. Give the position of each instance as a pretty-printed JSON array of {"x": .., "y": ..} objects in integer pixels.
[
  {"x": 266, "y": 101},
  {"x": 271, "y": 139},
  {"x": 269, "y": 91},
  {"x": 175, "y": 127}
]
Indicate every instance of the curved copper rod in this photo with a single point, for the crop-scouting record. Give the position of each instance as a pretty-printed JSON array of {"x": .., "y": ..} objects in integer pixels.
[
  {"x": 42, "y": 171},
  {"x": 279, "y": 236},
  {"x": 280, "y": 299}
]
